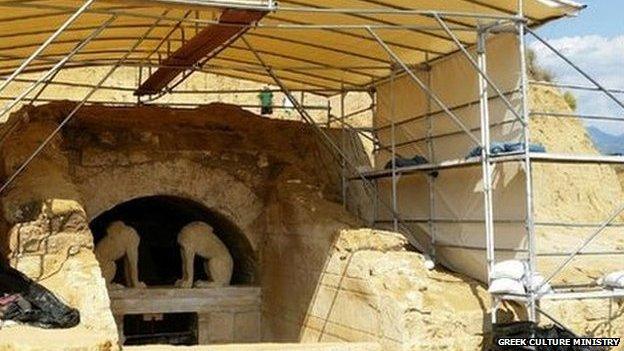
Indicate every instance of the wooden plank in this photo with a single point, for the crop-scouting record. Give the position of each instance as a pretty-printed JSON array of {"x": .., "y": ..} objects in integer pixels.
[{"x": 205, "y": 45}]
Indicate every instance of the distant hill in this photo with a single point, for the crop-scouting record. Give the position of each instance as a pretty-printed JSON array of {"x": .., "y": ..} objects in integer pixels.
[{"x": 605, "y": 142}]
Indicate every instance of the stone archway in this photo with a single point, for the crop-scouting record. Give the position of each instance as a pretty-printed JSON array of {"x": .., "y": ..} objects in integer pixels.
[
  {"x": 158, "y": 220},
  {"x": 103, "y": 188}
]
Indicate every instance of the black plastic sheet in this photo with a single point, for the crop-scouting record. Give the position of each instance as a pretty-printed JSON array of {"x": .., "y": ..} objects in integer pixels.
[{"x": 32, "y": 303}]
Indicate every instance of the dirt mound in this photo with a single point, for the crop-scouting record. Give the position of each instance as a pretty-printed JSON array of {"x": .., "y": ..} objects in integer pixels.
[
  {"x": 620, "y": 172},
  {"x": 561, "y": 135},
  {"x": 588, "y": 192},
  {"x": 199, "y": 88},
  {"x": 223, "y": 127},
  {"x": 357, "y": 285},
  {"x": 566, "y": 193}
]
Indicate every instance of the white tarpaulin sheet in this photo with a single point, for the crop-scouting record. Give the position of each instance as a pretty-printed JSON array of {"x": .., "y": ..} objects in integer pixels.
[{"x": 458, "y": 209}]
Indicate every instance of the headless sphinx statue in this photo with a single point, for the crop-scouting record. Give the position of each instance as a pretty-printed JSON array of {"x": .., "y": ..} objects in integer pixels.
[
  {"x": 120, "y": 241},
  {"x": 198, "y": 238}
]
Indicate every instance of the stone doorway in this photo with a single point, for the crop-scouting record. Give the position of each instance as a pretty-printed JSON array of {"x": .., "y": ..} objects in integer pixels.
[
  {"x": 158, "y": 219},
  {"x": 160, "y": 313}
]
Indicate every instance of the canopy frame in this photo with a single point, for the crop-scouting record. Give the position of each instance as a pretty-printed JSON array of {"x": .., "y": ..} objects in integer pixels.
[{"x": 286, "y": 78}]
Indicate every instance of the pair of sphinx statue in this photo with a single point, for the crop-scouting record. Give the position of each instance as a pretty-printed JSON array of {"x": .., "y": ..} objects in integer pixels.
[{"x": 196, "y": 238}]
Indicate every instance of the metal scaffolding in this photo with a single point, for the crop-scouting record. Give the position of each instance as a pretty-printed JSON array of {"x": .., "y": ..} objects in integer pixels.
[{"x": 445, "y": 24}]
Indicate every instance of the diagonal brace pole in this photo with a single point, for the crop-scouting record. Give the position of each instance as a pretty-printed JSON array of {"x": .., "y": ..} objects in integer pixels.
[
  {"x": 47, "y": 43},
  {"x": 335, "y": 148},
  {"x": 577, "y": 68},
  {"x": 587, "y": 241},
  {"x": 73, "y": 112},
  {"x": 56, "y": 67},
  {"x": 481, "y": 72},
  {"x": 422, "y": 85},
  {"x": 554, "y": 320}
]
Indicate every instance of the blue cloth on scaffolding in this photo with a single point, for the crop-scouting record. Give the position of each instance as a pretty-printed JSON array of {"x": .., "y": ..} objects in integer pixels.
[
  {"x": 406, "y": 162},
  {"x": 497, "y": 148},
  {"x": 519, "y": 147}
]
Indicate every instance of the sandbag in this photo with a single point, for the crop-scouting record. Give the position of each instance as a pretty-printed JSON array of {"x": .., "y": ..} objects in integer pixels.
[
  {"x": 506, "y": 286},
  {"x": 31, "y": 303},
  {"x": 525, "y": 330},
  {"x": 613, "y": 280},
  {"x": 536, "y": 281},
  {"x": 512, "y": 269}
]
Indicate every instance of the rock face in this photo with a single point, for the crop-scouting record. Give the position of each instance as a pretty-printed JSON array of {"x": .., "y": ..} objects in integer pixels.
[
  {"x": 264, "y": 347},
  {"x": 55, "y": 248},
  {"x": 572, "y": 193},
  {"x": 373, "y": 288},
  {"x": 324, "y": 282},
  {"x": 576, "y": 193},
  {"x": 48, "y": 236},
  {"x": 276, "y": 187},
  {"x": 369, "y": 286},
  {"x": 26, "y": 338},
  {"x": 228, "y": 160}
]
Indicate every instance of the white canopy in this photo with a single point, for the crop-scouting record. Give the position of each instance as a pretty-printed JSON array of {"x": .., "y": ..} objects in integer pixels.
[{"x": 313, "y": 43}]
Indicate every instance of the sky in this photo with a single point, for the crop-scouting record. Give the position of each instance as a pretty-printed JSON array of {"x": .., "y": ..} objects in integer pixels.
[{"x": 594, "y": 40}]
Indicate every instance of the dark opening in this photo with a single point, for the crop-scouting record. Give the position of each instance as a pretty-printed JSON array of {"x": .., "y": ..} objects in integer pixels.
[
  {"x": 158, "y": 220},
  {"x": 169, "y": 328}
]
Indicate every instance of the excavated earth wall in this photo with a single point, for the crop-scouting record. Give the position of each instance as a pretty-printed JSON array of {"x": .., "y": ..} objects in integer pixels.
[
  {"x": 321, "y": 279},
  {"x": 584, "y": 194}
]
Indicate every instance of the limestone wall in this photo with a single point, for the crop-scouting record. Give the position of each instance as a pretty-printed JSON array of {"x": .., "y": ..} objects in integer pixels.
[
  {"x": 300, "y": 226},
  {"x": 48, "y": 236},
  {"x": 224, "y": 315},
  {"x": 323, "y": 282},
  {"x": 228, "y": 160},
  {"x": 364, "y": 285},
  {"x": 266, "y": 347},
  {"x": 385, "y": 291},
  {"x": 276, "y": 183}
]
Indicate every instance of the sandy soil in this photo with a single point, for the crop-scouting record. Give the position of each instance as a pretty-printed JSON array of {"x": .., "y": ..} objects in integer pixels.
[
  {"x": 263, "y": 347},
  {"x": 620, "y": 172},
  {"x": 127, "y": 78},
  {"x": 570, "y": 191},
  {"x": 573, "y": 193},
  {"x": 25, "y": 338}
]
